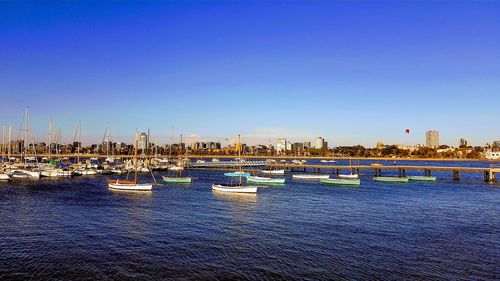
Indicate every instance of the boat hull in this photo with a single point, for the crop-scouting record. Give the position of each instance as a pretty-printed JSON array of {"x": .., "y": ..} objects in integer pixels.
[
  {"x": 352, "y": 176},
  {"x": 4, "y": 177},
  {"x": 177, "y": 180},
  {"x": 234, "y": 188},
  {"x": 310, "y": 177},
  {"x": 127, "y": 186},
  {"x": 390, "y": 179},
  {"x": 237, "y": 174},
  {"x": 24, "y": 174},
  {"x": 422, "y": 178},
  {"x": 263, "y": 180},
  {"x": 350, "y": 182}
]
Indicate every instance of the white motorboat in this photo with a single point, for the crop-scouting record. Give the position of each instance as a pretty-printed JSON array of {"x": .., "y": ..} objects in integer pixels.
[
  {"x": 24, "y": 174},
  {"x": 310, "y": 177},
  {"x": 4, "y": 177},
  {"x": 86, "y": 172},
  {"x": 57, "y": 173}
]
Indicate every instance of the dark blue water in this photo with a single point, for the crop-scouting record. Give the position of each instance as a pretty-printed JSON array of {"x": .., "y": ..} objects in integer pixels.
[{"x": 77, "y": 229}]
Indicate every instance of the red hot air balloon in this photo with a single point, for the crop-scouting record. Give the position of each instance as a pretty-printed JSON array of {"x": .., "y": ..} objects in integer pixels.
[{"x": 407, "y": 131}]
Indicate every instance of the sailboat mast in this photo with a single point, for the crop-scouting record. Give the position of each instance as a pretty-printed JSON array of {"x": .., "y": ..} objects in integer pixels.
[
  {"x": 49, "y": 137},
  {"x": 135, "y": 158},
  {"x": 239, "y": 156},
  {"x": 3, "y": 143},
  {"x": 10, "y": 137},
  {"x": 79, "y": 141},
  {"x": 181, "y": 162},
  {"x": 171, "y": 141}
]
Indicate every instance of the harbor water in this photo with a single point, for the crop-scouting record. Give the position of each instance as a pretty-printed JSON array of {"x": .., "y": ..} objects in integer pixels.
[{"x": 78, "y": 229}]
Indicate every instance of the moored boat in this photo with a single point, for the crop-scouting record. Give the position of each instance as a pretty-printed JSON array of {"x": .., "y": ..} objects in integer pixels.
[
  {"x": 57, "y": 173},
  {"x": 4, "y": 177},
  {"x": 350, "y": 176},
  {"x": 129, "y": 185},
  {"x": 310, "y": 177},
  {"x": 422, "y": 178},
  {"x": 274, "y": 172},
  {"x": 391, "y": 179},
  {"x": 237, "y": 174},
  {"x": 85, "y": 172},
  {"x": 265, "y": 180},
  {"x": 351, "y": 182},
  {"x": 24, "y": 174},
  {"x": 177, "y": 179},
  {"x": 234, "y": 188}
]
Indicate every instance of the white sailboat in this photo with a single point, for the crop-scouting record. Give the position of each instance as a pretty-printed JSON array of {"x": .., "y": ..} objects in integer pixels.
[
  {"x": 25, "y": 173},
  {"x": 131, "y": 185},
  {"x": 238, "y": 187}
]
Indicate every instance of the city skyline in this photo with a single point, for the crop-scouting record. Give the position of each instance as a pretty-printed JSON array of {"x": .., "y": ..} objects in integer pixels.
[{"x": 343, "y": 71}]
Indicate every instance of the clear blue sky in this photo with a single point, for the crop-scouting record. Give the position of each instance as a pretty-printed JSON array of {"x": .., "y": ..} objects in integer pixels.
[{"x": 352, "y": 72}]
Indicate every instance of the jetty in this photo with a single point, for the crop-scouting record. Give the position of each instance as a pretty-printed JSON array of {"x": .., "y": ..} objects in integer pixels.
[
  {"x": 488, "y": 172},
  {"x": 227, "y": 164}
]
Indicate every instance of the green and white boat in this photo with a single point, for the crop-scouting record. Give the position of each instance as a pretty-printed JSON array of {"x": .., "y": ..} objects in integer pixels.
[
  {"x": 422, "y": 178},
  {"x": 177, "y": 179},
  {"x": 177, "y": 176},
  {"x": 265, "y": 180},
  {"x": 391, "y": 179},
  {"x": 349, "y": 182}
]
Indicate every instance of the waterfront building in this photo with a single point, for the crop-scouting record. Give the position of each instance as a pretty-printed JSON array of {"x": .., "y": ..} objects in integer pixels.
[
  {"x": 463, "y": 143},
  {"x": 143, "y": 142},
  {"x": 283, "y": 145},
  {"x": 432, "y": 139},
  {"x": 320, "y": 143},
  {"x": 298, "y": 146},
  {"x": 492, "y": 154},
  {"x": 307, "y": 144}
]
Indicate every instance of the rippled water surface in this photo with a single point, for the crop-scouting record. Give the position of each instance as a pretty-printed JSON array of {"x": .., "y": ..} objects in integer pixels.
[{"x": 77, "y": 229}]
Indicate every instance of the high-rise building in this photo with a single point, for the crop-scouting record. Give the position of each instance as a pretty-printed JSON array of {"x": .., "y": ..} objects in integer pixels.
[
  {"x": 283, "y": 145},
  {"x": 432, "y": 139},
  {"x": 320, "y": 143},
  {"x": 307, "y": 144},
  {"x": 463, "y": 143},
  {"x": 143, "y": 142}
]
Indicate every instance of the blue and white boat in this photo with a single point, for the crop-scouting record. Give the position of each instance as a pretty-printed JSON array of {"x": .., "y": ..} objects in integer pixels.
[{"x": 237, "y": 174}]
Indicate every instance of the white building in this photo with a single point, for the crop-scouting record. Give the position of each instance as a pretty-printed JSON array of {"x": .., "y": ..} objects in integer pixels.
[
  {"x": 320, "y": 143},
  {"x": 283, "y": 145},
  {"x": 492, "y": 155}
]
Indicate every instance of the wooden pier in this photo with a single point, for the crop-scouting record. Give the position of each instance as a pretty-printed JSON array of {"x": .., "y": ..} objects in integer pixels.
[{"x": 488, "y": 173}]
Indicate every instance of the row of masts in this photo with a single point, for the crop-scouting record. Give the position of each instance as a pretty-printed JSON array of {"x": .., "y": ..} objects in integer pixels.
[{"x": 53, "y": 140}]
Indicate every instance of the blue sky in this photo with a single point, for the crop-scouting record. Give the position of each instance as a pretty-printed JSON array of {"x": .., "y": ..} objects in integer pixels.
[{"x": 353, "y": 72}]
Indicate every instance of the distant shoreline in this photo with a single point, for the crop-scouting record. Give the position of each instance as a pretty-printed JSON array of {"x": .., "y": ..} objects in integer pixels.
[{"x": 265, "y": 156}]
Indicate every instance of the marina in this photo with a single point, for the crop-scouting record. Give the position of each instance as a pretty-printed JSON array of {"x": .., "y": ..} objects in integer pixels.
[{"x": 156, "y": 230}]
